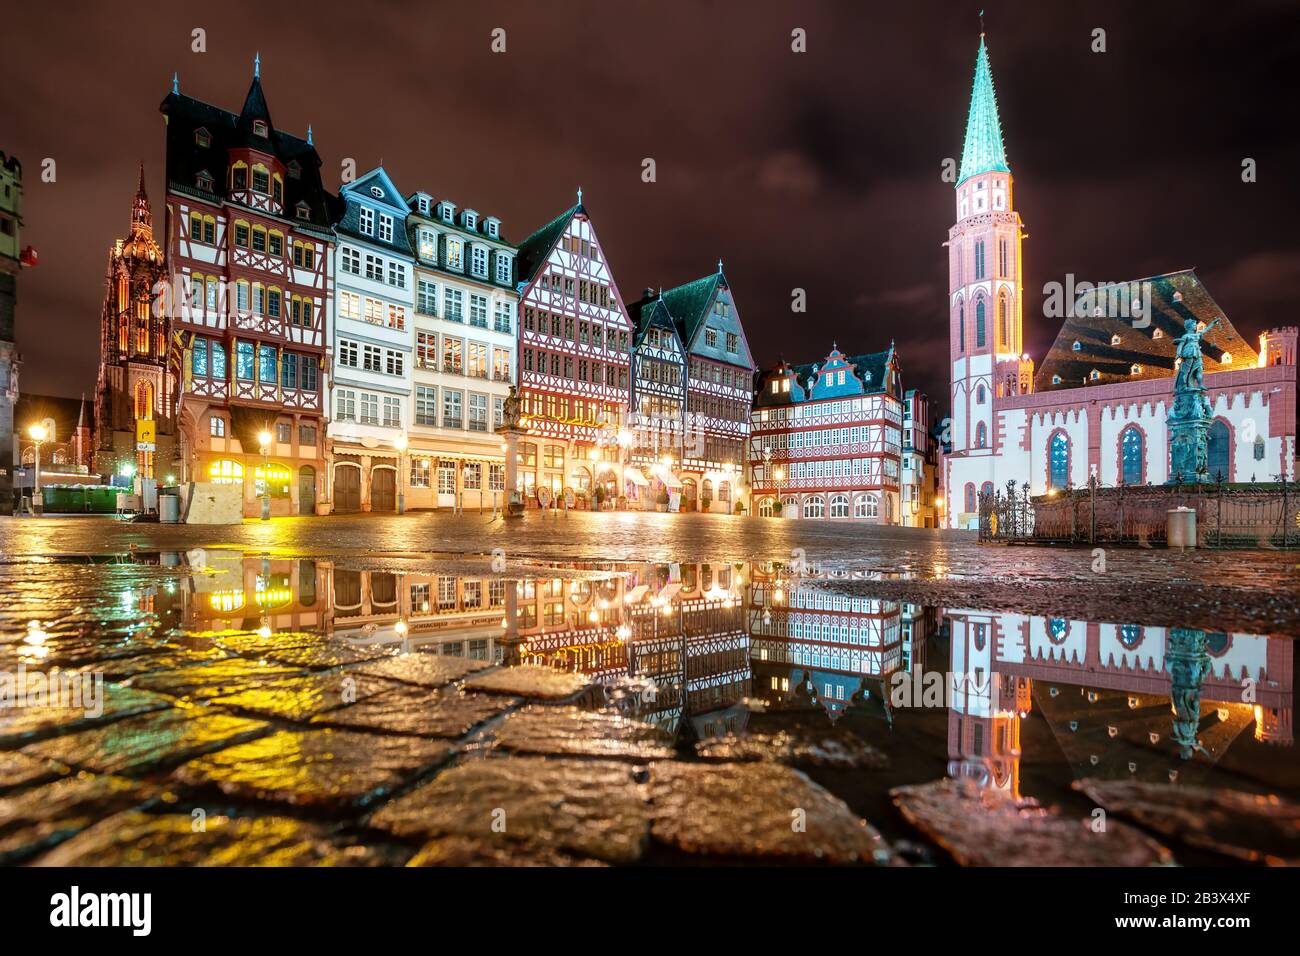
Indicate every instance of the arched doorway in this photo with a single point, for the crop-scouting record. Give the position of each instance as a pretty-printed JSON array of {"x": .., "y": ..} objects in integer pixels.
[
  {"x": 306, "y": 490},
  {"x": 347, "y": 488},
  {"x": 690, "y": 493},
  {"x": 383, "y": 488}
]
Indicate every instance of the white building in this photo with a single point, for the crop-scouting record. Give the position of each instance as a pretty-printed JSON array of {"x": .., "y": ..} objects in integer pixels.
[{"x": 373, "y": 347}]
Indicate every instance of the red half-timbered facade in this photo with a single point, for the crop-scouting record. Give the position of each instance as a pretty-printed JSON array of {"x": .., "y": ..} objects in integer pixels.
[
  {"x": 250, "y": 254},
  {"x": 574, "y": 344}
]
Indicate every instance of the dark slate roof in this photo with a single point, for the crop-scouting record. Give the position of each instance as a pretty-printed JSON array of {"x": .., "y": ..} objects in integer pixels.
[
  {"x": 185, "y": 158},
  {"x": 651, "y": 313},
  {"x": 351, "y": 198},
  {"x": 869, "y": 368},
  {"x": 1139, "y": 346},
  {"x": 690, "y": 303},
  {"x": 534, "y": 250}
]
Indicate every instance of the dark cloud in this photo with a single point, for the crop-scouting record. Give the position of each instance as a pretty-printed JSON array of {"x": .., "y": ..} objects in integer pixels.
[{"x": 818, "y": 171}]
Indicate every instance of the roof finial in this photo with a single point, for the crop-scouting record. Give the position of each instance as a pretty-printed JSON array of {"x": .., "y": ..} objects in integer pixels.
[
  {"x": 176, "y": 83},
  {"x": 257, "y": 64},
  {"x": 981, "y": 22},
  {"x": 719, "y": 265},
  {"x": 309, "y": 142},
  {"x": 579, "y": 195}
]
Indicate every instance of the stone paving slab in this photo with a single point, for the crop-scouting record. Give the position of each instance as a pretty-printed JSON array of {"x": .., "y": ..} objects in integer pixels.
[
  {"x": 1245, "y": 826},
  {"x": 323, "y": 770},
  {"x": 301, "y": 697},
  {"x": 572, "y": 731},
  {"x": 418, "y": 711},
  {"x": 300, "y": 649},
  {"x": 587, "y": 808},
  {"x": 147, "y": 742},
  {"x": 424, "y": 670},
  {"x": 983, "y": 827},
  {"x": 18, "y": 770},
  {"x": 530, "y": 682},
  {"x": 759, "y": 811},
  {"x": 205, "y": 681},
  {"x": 38, "y": 818},
  {"x": 133, "y": 838},
  {"x": 838, "y": 750},
  {"x": 21, "y": 725},
  {"x": 472, "y": 851}
]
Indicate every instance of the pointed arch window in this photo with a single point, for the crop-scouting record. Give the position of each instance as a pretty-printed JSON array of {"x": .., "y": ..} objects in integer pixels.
[
  {"x": 981, "y": 435},
  {"x": 1219, "y": 453},
  {"x": 1131, "y": 455},
  {"x": 961, "y": 327},
  {"x": 1004, "y": 326},
  {"x": 1059, "y": 461},
  {"x": 144, "y": 399},
  {"x": 979, "y": 324}
]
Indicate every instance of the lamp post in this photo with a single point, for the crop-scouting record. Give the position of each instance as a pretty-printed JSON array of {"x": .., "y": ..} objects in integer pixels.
[
  {"x": 38, "y": 433},
  {"x": 265, "y": 439},
  {"x": 400, "y": 444}
]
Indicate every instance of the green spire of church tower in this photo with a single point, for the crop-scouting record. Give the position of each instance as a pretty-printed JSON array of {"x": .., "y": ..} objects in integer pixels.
[{"x": 983, "y": 151}]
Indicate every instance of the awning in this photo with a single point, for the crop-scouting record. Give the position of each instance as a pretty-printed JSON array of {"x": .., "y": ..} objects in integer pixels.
[
  {"x": 634, "y": 475},
  {"x": 668, "y": 478}
]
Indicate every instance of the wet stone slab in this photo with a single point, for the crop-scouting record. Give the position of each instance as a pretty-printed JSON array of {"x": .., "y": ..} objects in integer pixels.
[
  {"x": 302, "y": 697},
  {"x": 134, "y": 838},
  {"x": 1244, "y": 826},
  {"x": 761, "y": 811},
  {"x": 18, "y": 770},
  {"x": 206, "y": 681},
  {"x": 324, "y": 770},
  {"x": 983, "y": 827},
  {"x": 418, "y": 711},
  {"x": 301, "y": 649},
  {"x": 471, "y": 851},
  {"x": 424, "y": 670},
  {"x": 20, "y": 725},
  {"x": 572, "y": 731},
  {"x": 40, "y": 817},
  {"x": 587, "y": 808},
  {"x": 530, "y": 682},
  {"x": 841, "y": 751},
  {"x": 147, "y": 742}
]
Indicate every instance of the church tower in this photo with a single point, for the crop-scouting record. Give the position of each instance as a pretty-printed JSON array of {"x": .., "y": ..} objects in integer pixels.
[
  {"x": 984, "y": 276},
  {"x": 135, "y": 380}
]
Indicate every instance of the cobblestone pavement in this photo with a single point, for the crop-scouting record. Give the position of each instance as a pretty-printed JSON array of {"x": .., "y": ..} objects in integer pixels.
[{"x": 1253, "y": 590}]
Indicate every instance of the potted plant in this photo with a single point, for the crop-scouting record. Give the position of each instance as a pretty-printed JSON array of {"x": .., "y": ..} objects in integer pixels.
[
  {"x": 740, "y": 508},
  {"x": 599, "y": 494},
  {"x": 705, "y": 502},
  {"x": 661, "y": 503}
]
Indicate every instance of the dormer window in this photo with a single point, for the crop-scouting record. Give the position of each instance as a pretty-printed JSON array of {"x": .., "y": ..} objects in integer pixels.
[
  {"x": 455, "y": 254},
  {"x": 303, "y": 210},
  {"x": 1158, "y": 334},
  {"x": 503, "y": 268},
  {"x": 479, "y": 260},
  {"x": 447, "y": 212},
  {"x": 1135, "y": 370},
  {"x": 424, "y": 205},
  {"x": 259, "y": 128},
  {"x": 471, "y": 219},
  {"x": 1225, "y": 358},
  {"x": 1056, "y": 380},
  {"x": 493, "y": 228},
  {"x": 1115, "y": 339},
  {"x": 427, "y": 240},
  {"x": 295, "y": 169},
  {"x": 204, "y": 181},
  {"x": 1077, "y": 346},
  {"x": 385, "y": 227},
  {"x": 367, "y": 220},
  {"x": 1094, "y": 375},
  {"x": 202, "y": 138}
]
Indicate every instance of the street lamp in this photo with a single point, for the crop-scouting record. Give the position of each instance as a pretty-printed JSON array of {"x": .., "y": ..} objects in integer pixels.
[
  {"x": 265, "y": 439},
  {"x": 400, "y": 444},
  {"x": 38, "y": 433}
]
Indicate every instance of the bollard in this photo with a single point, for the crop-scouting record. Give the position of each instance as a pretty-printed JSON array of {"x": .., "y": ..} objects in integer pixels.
[{"x": 1180, "y": 527}]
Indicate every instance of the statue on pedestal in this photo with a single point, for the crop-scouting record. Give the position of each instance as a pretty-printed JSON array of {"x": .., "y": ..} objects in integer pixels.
[
  {"x": 510, "y": 409},
  {"x": 1190, "y": 416}
]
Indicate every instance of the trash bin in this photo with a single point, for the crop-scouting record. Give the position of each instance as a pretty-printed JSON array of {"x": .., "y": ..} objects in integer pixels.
[
  {"x": 1180, "y": 527},
  {"x": 169, "y": 509}
]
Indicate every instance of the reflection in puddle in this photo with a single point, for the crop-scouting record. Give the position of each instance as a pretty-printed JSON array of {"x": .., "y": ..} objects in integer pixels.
[{"x": 871, "y": 694}]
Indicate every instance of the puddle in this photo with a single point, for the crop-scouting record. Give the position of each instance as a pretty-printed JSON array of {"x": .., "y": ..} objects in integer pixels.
[{"x": 714, "y": 667}]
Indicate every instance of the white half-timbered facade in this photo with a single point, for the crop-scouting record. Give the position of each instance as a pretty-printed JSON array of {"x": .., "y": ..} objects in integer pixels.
[
  {"x": 656, "y": 411},
  {"x": 574, "y": 342}
]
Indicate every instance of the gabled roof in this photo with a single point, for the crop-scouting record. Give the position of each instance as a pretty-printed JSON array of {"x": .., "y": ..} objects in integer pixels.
[
  {"x": 651, "y": 313},
  {"x": 358, "y": 193},
  {"x": 983, "y": 150},
  {"x": 534, "y": 250},
  {"x": 1175, "y": 297},
  {"x": 690, "y": 303},
  {"x": 870, "y": 370},
  {"x": 255, "y": 108}
]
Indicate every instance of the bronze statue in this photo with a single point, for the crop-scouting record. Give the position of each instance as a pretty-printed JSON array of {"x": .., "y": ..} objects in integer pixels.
[
  {"x": 510, "y": 409},
  {"x": 1192, "y": 368}
]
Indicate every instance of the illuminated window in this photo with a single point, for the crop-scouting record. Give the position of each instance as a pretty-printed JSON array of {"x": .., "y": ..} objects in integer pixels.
[
  {"x": 226, "y": 472},
  {"x": 278, "y": 477}
]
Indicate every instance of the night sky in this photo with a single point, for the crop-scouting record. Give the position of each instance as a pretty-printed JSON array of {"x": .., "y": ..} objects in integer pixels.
[{"x": 818, "y": 170}]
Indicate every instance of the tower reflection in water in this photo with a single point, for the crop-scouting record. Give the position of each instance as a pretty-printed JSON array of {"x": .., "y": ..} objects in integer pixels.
[{"x": 700, "y": 646}]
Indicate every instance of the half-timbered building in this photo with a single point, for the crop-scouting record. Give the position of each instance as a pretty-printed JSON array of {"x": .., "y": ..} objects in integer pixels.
[
  {"x": 465, "y": 348},
  {"x": 827, "y": 439},
  {"x": 374, "y": 342},
  {"x": 719, "y": 393},
  {"x": 250, "y": 254},
  {"x": 574, "y": 341},
  {"x": 656, "y": 412},
  {"x": 137, "y": 380}
]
